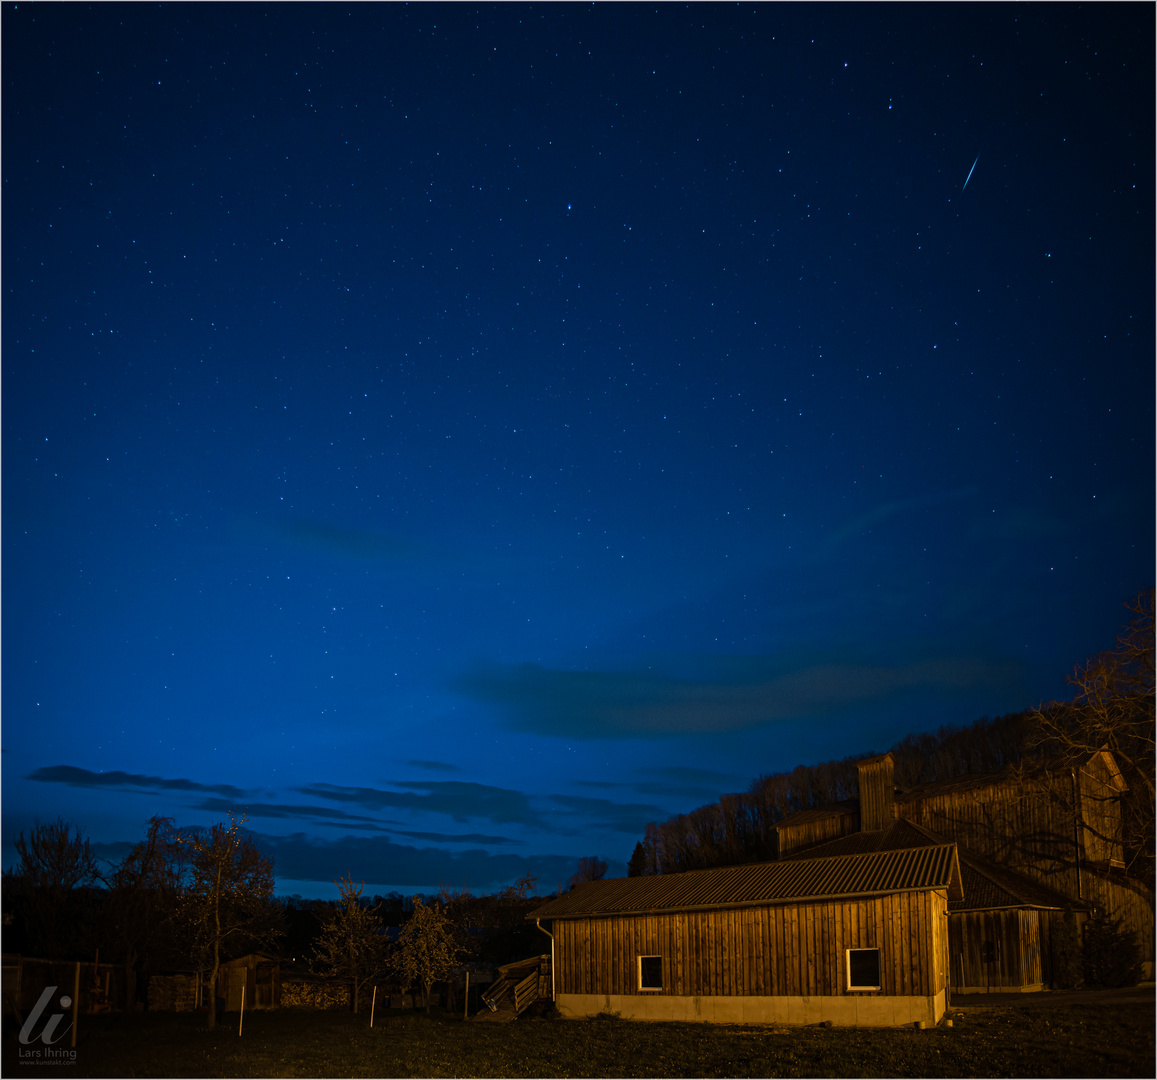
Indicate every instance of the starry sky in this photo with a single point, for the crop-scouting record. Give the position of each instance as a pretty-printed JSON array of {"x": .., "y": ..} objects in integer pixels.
[{"x": 456, "y": 436}]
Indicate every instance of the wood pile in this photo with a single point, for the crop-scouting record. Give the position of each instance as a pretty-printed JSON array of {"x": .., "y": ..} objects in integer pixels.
[
  {"x": 306, "y": 994},
  {"x": 173, "y": 993}
]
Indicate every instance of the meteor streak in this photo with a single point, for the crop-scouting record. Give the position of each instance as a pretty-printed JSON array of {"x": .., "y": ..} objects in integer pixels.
[{"x": 969, "y": 176}]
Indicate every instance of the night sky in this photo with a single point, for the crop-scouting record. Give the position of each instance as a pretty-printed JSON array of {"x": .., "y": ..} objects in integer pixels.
[{"x": 455, "y": 437}]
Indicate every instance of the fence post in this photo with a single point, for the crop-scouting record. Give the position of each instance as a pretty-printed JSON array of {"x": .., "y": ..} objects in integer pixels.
[{"x": 75, "y": 1002}]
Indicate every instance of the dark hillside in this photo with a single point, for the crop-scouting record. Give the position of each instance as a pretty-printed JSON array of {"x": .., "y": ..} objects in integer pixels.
[{"x": 738, "y": 828}]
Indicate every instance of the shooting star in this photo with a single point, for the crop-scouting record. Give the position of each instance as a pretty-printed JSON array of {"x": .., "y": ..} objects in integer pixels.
[{"x": 969, "y": 177}]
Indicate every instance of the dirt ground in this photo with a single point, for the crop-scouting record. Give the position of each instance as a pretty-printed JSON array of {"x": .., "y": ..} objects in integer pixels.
[{"x": 1132, "y": 995}]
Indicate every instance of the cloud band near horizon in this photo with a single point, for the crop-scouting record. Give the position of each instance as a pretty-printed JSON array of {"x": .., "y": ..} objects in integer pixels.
[{"x": 630, "y": 704}]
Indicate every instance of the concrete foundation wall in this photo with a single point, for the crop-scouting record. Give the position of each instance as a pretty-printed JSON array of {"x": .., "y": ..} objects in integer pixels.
[
  {"x": 844, "y": 1011},
  {"x": 1031, "y": 988}
]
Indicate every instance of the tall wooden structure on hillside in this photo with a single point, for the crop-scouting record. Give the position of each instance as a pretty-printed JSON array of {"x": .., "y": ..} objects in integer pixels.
[{"x": 1036, "y": 847}]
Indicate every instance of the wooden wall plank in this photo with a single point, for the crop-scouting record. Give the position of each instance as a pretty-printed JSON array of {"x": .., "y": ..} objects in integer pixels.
[
  {"x": 727, "y": 929},
  {"x": 904, "y": 943},
  {"x": 759, "y": 951},
  {"x": 724, "y": 952},
  {"x": 681, "y": 954},
  {"x": 827, "y": 950},
  {"x": 811, "y": 938},
  {"x": 779, "y": 947},
  {"x": 919, "y": 905},
  {"x": 726, "y": 965},
  {"x": 706, "y": 979},
  {"x": 792, "y": 927}
]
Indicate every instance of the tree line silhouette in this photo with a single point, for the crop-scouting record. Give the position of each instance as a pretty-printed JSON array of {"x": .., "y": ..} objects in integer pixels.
[
  {"x": 739, "y": 828},
  {"x": 1112, "y": 709},
  {"x": 190, "y": 899}
]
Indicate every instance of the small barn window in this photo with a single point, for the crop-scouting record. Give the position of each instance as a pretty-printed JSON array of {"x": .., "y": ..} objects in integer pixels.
[
  {"x": 650, "y": 973},
  {"x": 864, "y": 969}
]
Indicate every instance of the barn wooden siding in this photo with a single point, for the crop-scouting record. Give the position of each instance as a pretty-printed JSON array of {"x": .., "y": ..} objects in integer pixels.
[
  {"x": 808, "y": 828},
  {"x": 1031, "y": 828},
  {"x": 1124, "y": 900},
  {"x": 1100, "y": 787},
  {"x": 781, "y": 950},
  {"x": 995, "y": 950},
  {"x": 1005, "y": 822}
]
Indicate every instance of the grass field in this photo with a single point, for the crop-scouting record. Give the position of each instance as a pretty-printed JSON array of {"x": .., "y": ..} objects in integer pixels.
[{"x": 1063, "y": 1040}]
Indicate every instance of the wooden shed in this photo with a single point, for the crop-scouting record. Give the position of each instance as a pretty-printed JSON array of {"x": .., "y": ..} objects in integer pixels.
[
  {"x": 259, "y": 975},
  {"x": 859, "y": 940}
]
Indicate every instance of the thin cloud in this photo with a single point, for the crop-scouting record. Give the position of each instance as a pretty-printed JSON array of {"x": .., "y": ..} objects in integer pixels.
[
  {"x": 354, "y": 543},
  {"x": 656, "y": 788},
  {"x": 321, "y": 815},
  {"x": 866, "y": 522},
  {"x": 457, "y": 799},
  {"x": 689, "y": 775},
  {"x": 616, "y": 705},
  {"x": 382, "y": 862},
  {"x": 675, "y": 782},
  {"x": 455, "y": 838},
  {"x": 123, "y": 781},
  {"x": 1021, "y": 523},
  {"x": 433, "y": 766},
  {"x": 606, "y": 814}
]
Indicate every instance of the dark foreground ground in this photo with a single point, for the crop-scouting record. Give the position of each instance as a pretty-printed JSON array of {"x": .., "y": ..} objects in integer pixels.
[{"x": 1093, "y": 1034}]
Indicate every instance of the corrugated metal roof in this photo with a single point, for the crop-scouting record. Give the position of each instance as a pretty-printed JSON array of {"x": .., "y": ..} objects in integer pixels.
[
  {"x": 986, "y": 884},
  {"x": 763, "y": 883},
  {"x": 900, "y": 834}
]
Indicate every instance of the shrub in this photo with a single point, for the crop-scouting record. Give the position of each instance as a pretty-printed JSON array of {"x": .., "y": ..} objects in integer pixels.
[
  {"x": 1111, "y": 955},
  {"x": 1066, "y": 950}
]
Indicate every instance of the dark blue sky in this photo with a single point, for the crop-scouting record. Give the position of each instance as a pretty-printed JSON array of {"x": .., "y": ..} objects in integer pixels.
[{"x": 458, "y": 436}]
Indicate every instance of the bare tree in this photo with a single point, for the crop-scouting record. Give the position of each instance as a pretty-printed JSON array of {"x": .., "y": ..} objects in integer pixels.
[
  {"x": 590, "y": 868},
  {"x": 55, "y": 860},
  {"x": 142, "y": 897},
  {"x": 1112, "y": 710},
  {"x": 227, "y": 899},
  {"x": 56, "y": 856}
]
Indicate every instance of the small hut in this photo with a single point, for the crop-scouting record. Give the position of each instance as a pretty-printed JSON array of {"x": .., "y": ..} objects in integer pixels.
[{"x": 260, "y": 976}]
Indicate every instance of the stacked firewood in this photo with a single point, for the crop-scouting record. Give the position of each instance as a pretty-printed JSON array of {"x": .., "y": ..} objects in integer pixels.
[{"x": 314, "y": 995}]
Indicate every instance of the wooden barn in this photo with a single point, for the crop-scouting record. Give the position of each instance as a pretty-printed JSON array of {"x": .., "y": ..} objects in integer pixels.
[
  {"x": 1032, "y": 846},
  {"x": 854, "y": 940}
]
